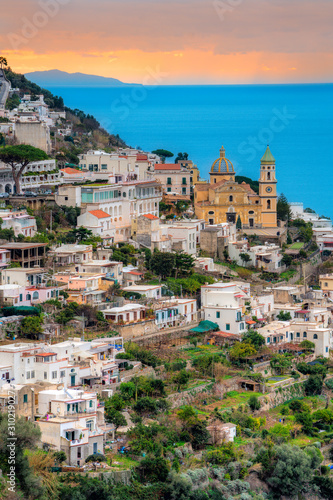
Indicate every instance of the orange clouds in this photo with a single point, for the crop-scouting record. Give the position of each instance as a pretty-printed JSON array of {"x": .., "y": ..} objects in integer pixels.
[{"x": 194, "y": 41}]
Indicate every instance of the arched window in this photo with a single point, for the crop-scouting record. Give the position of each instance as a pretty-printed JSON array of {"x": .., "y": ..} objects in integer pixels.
[
  {"x": 268, "y": 204},
  {"x": 315, "y": 336},
  {"x": 28, "y": 297},
  {"x": 268, "y": 176},
  {"x": 35, "y": 296},
  {"x": 231, "y": 199}
]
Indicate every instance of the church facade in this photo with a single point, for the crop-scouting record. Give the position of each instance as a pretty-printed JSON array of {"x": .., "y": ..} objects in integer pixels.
[{"x": 225, "y": 200}]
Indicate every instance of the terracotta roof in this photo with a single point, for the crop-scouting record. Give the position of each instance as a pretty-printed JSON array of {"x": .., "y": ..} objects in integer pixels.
[
  {"x": 69, "y": 170},
  {"x": 100, "y": 214},
  {"x": 225, "y": 334},
  {"x": 141, "y": 157},
  {"x": 136, "y": 273},
  {"x": 167, "y": 166},
  {"x": 46, "y": 354},
  {"x": 150, "y": 216}
]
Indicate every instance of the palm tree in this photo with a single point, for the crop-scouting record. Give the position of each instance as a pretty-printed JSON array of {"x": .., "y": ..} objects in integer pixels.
[{"x": 3, "y": 62}]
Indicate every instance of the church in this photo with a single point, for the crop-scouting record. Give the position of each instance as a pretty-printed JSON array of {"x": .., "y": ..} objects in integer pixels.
[{"x": 225, "y": 200}]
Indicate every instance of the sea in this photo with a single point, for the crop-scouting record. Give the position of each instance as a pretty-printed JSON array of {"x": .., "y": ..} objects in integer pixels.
[{"x": 295, "y": 120}]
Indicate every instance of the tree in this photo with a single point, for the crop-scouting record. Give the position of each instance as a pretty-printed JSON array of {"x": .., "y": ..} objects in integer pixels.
[
  {"x": 3, "y": 62},
  {"x": 82, "y": 233},
  {"x": 241, "y": 351},
  {"x": 199, "y": 434},
  {"x": 18, "y": 158},
  {"x": 284, "y": 316},
  {"x": 287, "y": 259},
  {"x": 292, "y": 471},
  {"x": 254, "y": 403},
  {"x": 181, "y": 156},
  {"x": 313, "y": 385},
  {"x": 59, "y": 457},
  {"x": 181, "y": 378},
  {"x": 306, "y": 344},
  {"x": 115, "y": 417},
  {"x": 116, "y": 401},
  {"x": 184, "y": 263},
  {"x": 163, "y": 153},
  {"x": 280, "y": 363},
  {"x": 31, "y": 327},
  {"x": 145, "y": 406},
  {"x": 163, "y": 264},
  {"x": 283, "y": 208},
  {"x": 239, "y": 223},
  {"x": 187, "y": 414},
  {"x": 153, "y": 470},
  {"x": 254, "y": 338},
  {"x": 245, "y": 258}
]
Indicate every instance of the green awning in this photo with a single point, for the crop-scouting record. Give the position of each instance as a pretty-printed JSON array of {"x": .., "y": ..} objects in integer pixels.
[{"x": 205, "y": 326}]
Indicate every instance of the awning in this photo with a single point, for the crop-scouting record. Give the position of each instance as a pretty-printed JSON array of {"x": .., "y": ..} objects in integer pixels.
[
  {"x": 205, "y": 326},
  {"x": 302, "y": 311},
  {"x": 250, "y": 322}
]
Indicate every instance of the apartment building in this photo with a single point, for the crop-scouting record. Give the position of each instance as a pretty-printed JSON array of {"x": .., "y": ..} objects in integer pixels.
[{"x": 173, "y": 178}]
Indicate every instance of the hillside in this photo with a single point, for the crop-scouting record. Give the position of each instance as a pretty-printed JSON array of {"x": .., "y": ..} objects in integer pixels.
[
  {"x": 86, "y": 128},
  {"x": 57, "y": 78}
]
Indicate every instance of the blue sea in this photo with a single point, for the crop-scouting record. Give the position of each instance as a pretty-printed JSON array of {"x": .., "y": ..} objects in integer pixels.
[{"x": 295, "y": 120}]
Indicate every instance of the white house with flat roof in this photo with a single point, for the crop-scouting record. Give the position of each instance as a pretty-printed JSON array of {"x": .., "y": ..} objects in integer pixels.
[
  {"x": 149, "y": 291},
  {"x": 224, "y": 304}
]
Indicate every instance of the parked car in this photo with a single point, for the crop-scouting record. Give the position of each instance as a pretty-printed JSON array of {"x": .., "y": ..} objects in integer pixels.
[
  {"x": 4, "y": 195},
  {"x": 48, "y": 191},
  {"x": 29, "y": 194}
]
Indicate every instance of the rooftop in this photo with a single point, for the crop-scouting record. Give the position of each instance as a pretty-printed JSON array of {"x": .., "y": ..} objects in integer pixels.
[{"x": 100, "y": 214}]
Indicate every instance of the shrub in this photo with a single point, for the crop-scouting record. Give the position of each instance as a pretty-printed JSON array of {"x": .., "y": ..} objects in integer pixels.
[
  {"x": 254, "y": 403},
  {"x": 96, "y": 457}
]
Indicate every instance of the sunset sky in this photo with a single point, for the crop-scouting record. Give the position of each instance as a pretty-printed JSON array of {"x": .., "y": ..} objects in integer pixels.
[{"x": 184, "y": 41}]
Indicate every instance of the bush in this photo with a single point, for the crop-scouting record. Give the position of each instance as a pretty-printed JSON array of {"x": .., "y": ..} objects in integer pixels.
[
  {"x": 96, "y": 457},
  {"x": 313, "y": 385},
  {"x": 254, "y": 403}
]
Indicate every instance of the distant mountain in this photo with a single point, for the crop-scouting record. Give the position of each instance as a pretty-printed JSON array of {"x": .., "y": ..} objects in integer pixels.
[{"x": 57, "y": 78}]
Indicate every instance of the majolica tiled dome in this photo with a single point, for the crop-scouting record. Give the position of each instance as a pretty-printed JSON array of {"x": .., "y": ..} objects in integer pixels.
[{"x": 222, "y": 165}]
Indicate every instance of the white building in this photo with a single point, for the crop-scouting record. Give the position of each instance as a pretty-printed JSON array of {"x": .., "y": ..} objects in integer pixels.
[
  {"x": 99, "y": 223},
  {"x": 19, "y": 221},
  {"x": 224, "y": 304},
  {"x": 266, "y": 257},
  {"x": 36, "y": 175},
  {"x": 149, "y": 291},
  {"x": 72, "y": 421}
]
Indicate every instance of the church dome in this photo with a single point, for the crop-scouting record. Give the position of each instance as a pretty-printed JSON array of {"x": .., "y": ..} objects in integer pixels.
[{"x": 222, "y": 165}]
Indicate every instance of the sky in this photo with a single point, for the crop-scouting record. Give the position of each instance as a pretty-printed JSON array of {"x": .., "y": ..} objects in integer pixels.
[{"x": 162, "y": 42}]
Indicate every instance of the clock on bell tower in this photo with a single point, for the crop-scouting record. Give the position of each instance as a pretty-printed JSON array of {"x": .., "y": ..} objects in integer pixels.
[{"x": 267, "y": 190}]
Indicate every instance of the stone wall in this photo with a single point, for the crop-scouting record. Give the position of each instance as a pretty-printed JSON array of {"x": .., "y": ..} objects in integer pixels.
[
  {"x": 281, "y": 395},
  {"x": 186, "y": 397}
]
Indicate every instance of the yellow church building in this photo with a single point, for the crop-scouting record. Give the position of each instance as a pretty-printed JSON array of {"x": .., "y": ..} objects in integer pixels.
[{"x": 225, "y": 200}]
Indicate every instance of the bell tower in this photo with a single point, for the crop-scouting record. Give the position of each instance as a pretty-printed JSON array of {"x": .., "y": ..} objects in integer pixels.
[{"x": 267, "y": 190}]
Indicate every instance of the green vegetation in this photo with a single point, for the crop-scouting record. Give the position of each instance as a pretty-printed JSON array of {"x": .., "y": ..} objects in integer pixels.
[{"x": 19, "y": 157}]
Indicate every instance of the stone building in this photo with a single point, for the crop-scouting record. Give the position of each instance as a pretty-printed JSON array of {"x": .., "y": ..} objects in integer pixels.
[{"x": 225, "y": 200}]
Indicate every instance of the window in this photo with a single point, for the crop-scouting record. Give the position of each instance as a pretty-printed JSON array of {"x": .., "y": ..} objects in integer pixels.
[
  {"x": 33, "y": 374},
  {"x": 90, "y": 403},
  {"x": 268, "y": 340},
  {"x": 169, "y": 181},
  {"x": 268, "y": 175},
  {"x": 287, "y": 335},
  {"x": 326, "y": 284},
  {"x": 298, "y": 335},
  {"x": 27, "y": 375},
  {"x": 239, "y": 316},
  {"x": 104, "y": 166},
  {"x": 241, "y": 326},
  {"x": 183, "y": 190},
  {"x": 315, "y": 336},
  {"x": 227, "y": 327},
  {"x": 184, "y": 180},
  {"x": 218, "y": 314},
  {"x": 211, "y": 212},
  {"x": 169, "y": 190},
  {"x": 54, "y": 374},
  {"x": 45, "y": 375},
  {"x": 21, "y": 297},
  {"x": 231, "y": 199},
  {"x": 268, "y": 204},
  {"x": 62, "y": 373},
  {"x": 25, "y": 398},
  {"x": 305, "y": 334},
  {"x": 326, "y": 349}
]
